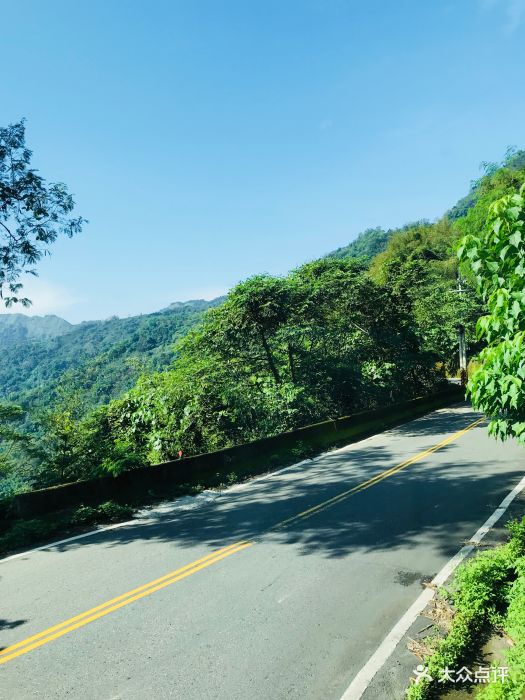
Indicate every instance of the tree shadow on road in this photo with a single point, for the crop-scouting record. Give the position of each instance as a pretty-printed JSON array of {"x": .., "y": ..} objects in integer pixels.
[
  {"x": 10, "y": 625},
  {"x": 438, "y": 500}
]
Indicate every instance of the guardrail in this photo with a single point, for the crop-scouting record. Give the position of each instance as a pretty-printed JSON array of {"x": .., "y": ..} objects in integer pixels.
[{"x": 212, "y": 468}]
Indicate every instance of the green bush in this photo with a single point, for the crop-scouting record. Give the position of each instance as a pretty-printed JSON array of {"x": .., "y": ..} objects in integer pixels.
[
  {"x": 26, "y": 532},
  {"x": 83, "y": 515},
  {"x": 303, "y": 450},
  {"x": 485, "y": 592},
  {"x": 514, "y": 626},
  {"x": 517, "y": 542},
  {"x": 482, "y": 585},
  {"x": 113, "y": 512},
  {"x": 105, "y": 512}
]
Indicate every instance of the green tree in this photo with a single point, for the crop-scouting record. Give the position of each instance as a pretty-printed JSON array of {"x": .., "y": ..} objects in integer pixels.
[
  {"x": 496, "y": 256},
  {"x": 420, "y": 268},
  {"x": 253, "y": 313},
  {"x": 279, "y": 353},
  {"x": 57, "y": 450},
  {"x": 12, "y": 440},
  {"x": 32, "y": 213}
]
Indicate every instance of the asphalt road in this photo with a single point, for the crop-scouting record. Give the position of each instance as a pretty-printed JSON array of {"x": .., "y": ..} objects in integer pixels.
[{"x": 322, "y": 562}]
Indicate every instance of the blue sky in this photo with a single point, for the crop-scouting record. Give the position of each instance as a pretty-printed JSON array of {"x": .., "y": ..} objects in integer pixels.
[{"x": 206, "y": 141}]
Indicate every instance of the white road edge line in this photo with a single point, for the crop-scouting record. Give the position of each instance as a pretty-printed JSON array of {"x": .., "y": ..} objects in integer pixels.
[{"x": 361, "y": 682}]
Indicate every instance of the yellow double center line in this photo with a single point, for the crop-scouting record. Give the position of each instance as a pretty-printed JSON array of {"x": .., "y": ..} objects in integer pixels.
[
  {"x": 375, "y": 479},
  {"x": 73, "y": 623},
  {"x": 120, "y": 601}
]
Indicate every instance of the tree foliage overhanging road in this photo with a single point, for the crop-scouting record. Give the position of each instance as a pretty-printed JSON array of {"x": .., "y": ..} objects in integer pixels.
[{"x": 496, "y": 255}]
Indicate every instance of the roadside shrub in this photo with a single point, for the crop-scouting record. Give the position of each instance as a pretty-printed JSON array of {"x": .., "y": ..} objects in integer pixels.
[
  {"x": 25, "y": 532},
  {"x": 231, "y": 478},
  {"x": 488, "y": 590},
  {"x": 481, "y": 586},
  {"x": 113, "y": 512},
  {"x": 517, "y": 542},
  {"x": 104, "y": 513},
  {"x": 83, "y": 515},
  {"x": 514, "y": 625},
  {"x": 302, "y": 450}
]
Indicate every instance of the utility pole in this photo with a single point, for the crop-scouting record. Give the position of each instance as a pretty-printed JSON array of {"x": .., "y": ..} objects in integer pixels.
[
  {"x": 462, "y": 345},
  {"x": 462, "y": 356}
]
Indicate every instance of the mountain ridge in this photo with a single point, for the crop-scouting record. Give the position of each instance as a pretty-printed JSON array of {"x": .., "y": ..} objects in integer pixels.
[
  {"x": 18, "y": 327},
  {"x": 102, "y": 357}
]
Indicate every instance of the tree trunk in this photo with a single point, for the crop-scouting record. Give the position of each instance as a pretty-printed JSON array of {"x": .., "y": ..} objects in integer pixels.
[
  {"x": 291, "y": 362},
  {"x": 270, "y": 359}
]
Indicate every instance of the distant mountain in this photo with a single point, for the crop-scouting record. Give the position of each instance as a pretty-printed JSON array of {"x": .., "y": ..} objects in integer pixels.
[
  {"x": 102, "y": 358},
  {"x": 195, "y": 303},
  {"x": 367, "y": 245},
  {"x": 370, "y": 243},
  {"x": 19, "y": 327}
]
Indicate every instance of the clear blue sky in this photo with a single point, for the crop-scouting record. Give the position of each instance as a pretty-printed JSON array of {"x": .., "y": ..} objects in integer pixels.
[{"x": 210, "y": 140}]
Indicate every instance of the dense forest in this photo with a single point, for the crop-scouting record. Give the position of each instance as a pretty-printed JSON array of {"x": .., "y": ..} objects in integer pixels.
[{"x": 366, "y": 325}]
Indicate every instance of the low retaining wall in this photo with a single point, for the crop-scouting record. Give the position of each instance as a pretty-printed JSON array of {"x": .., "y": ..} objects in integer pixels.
[{"x": 211, "y": 468}]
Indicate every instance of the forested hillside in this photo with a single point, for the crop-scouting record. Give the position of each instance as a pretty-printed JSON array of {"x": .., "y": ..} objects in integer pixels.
[
  {"x": 367, "y": 245},
  {"x": 336, "y": 335},
  {"x": 100, "y": 358},
  {"x": 373, "y": 241},
  {"x": 514, "y": 161}
]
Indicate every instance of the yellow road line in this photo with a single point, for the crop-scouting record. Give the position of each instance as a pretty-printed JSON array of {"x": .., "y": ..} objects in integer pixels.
[
  {"x": 73, "y": 623},
  {"x": 120, "y": 597},
  {"x": 375, "y": 479},
  {"x": 85, "y": 618}
]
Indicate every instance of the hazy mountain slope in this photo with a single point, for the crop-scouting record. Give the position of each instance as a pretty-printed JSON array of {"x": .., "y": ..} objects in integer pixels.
[
  {"x": 15, "y": 328},
  {"x": 102, "y": 358}
]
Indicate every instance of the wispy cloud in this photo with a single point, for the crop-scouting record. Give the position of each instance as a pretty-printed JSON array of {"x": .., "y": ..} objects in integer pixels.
[
  {"x": 513, "y": 11},
  {"x": 47, "y": 298}
]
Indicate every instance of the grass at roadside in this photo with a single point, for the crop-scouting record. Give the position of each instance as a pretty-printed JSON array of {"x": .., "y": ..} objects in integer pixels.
[
  {"x": 487, "y": 594},
  {"x": 514, "y": 626}
]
